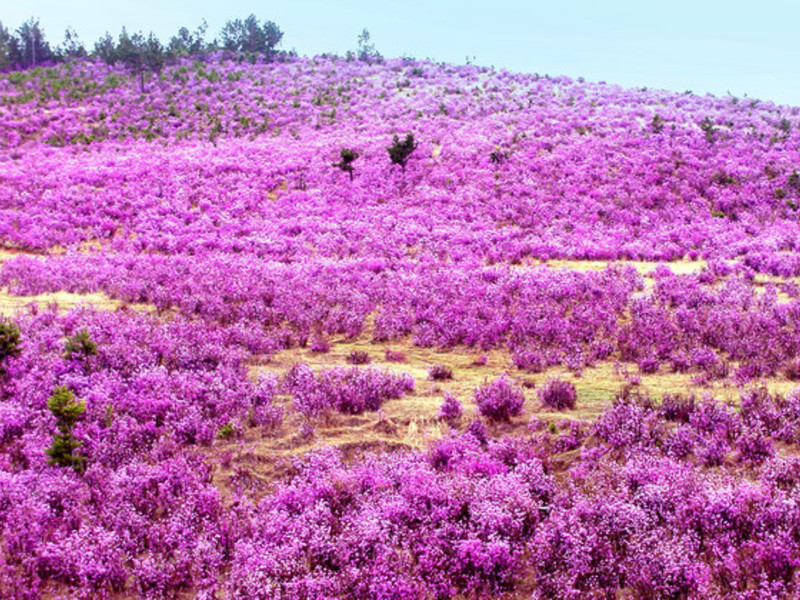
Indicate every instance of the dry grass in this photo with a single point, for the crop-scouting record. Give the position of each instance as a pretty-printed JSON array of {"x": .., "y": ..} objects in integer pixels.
[
  {"x": 681, "y": 267},
  {"x": 11, "y": 304},
  {"x": 411, "y": 421}
]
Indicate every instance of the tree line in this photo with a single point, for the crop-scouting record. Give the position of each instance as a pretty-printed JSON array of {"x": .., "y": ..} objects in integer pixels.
[{"x": 27, "y": 46}]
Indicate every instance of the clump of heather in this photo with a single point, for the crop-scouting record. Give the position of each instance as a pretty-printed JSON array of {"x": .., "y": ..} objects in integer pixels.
[
  {"x": 320, "y": 345},
  {"x": 500, "y": 399},
  {"x": 349, "y": 390},
  {"x": 358, "y": 357},
  {"x": 439, "y": 372},
  {"x": 357, "y": 390},
  {"x": 451, "y": 409},
  {"x": 557, "y": 394},
  {"x": 481, "y": 361},
  {"x": 675, "y": 407},
  {"x": 394, "y": 355},
  {"x": 529, "y": 360}
]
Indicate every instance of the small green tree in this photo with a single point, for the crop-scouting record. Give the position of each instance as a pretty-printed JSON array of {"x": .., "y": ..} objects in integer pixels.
[
  {"x": 80, "y": 346},
  {"x": 707, "y": 125},
  {"x": 105, "y": 49},
  {"x": 250, "y": 36},
  {"x": 186, "y": 43},
  {"x": 399, "y": 151},
  {"x": 366, "y": 49},
  {"x": 139, "y": 54},
  {"x": 66, "y": 411},
  {"x": 9, "y": 343},
  {"x": 348, "y": 158},
  {"x": 657, "y": 124},
  {"x": 793, "y": 181},
  {"x": 29, "y": 47},
  {"x": 5, "y": 48},
  {"x": 71, "y": 48}
]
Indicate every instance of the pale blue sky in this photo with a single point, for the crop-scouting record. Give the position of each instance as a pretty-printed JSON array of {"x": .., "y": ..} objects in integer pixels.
[{"x": 716, "y": 47}]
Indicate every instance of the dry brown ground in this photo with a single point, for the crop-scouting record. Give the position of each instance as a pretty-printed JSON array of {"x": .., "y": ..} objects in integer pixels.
[
  {"x": 10, "y": 304},
  {"x": 411, "y": 422}
]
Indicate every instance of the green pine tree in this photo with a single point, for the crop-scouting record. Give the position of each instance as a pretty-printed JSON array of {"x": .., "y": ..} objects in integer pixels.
[{"x": 66, "y": 411}]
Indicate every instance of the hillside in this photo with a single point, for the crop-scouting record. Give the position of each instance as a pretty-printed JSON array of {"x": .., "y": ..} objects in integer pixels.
[{"x": 276, "y": 333}]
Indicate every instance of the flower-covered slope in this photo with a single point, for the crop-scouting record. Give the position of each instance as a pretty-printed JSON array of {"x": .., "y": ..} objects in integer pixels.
[{"x": 219, "y": 198}]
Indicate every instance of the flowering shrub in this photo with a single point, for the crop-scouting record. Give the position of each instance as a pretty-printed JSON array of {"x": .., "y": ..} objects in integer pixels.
[
  {"x": 439, "y": 372},
  {"x": 358, "y": 357},
  {"x": 350, "y": 390},
  {"x": 557, "y": 394},
  {"x": 500, "y": 399},
  {"x": 394, "y": 355},
  {"x": 451, "y": 409},
  {"x": 320, "y": 345}
]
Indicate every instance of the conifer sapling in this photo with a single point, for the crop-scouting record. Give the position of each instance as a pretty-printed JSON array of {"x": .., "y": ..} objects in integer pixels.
[{"x": 66, "y": 411}]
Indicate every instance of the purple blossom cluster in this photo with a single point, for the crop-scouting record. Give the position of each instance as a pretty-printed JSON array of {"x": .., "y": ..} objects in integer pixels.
[
  {"x": 451, "y": 409},
  {"x": 155, "y": 395},
  {"x": 558, "y": 394},
  {"x": 500, "y": 399},
  {"x": 348, "y": 390}
]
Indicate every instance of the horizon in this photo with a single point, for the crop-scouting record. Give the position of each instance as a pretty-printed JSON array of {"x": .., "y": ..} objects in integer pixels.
[{"x": 688, "y": 48}]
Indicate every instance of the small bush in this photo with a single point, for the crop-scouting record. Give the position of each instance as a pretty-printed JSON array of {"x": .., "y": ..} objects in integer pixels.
[
  {"x": 754, "y": 447},
  {"x": 529, "y": 360},
  {"x": 354, "y": 390},
  {"x": 227, "y": 431},
  {"x": 439, "y": 372},
  {"x": 358, "y": 357},
  {"x": 451, "y": 409},
  {"x": 675, "y": 407},
  {"x": 79, "y": 346},
  {"x": 394, "y": 355},
  {"x": 66, "y": 411},
  {"x": 400, "y": 151},
  {"x": 558, "y": 394},
  {"x": 500, "y": 399},
  {"x": 350, "y": 390},
  {"x": 477, "y": 429},
  {"x": 9, "y": 342},
  {"x": 348, "y": 157},
  {"x": 320, "y": 345},
  {"x": 648, "y": 365}
]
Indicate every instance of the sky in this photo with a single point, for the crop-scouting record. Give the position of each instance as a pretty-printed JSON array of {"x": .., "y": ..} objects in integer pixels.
[{"x": 745, "y": 49}]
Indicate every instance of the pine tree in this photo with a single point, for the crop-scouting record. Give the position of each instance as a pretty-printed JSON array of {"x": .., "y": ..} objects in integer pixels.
[
  {"x": 66, "y": 411},
  {"x": 399, "y": 151},
  {"x": 348, "y": 158},
  {"x": 9, "y": 342},
  {"x": 80, "y": 346}
]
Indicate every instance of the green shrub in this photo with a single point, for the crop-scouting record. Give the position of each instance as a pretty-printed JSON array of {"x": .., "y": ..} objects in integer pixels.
[
  {"x": 66, "y": 411},
  {"x": 348, "y": 157},
  {"x": 9, "y": 342},
  {"x": 80, "y": 346},
  {"x": 399, "y": 151}
]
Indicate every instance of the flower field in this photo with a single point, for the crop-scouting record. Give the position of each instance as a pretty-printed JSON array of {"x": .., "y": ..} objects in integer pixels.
[{"x": 550, "y": 353}]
